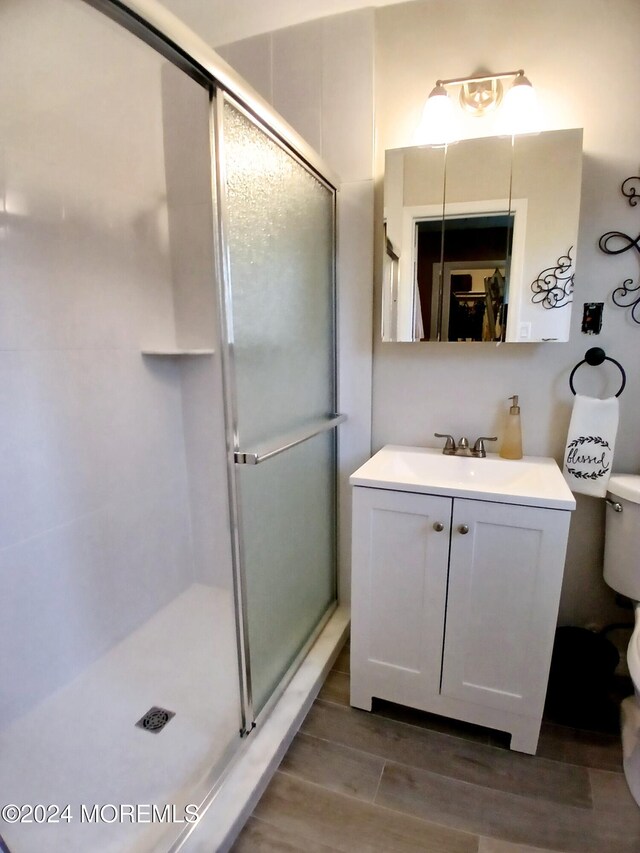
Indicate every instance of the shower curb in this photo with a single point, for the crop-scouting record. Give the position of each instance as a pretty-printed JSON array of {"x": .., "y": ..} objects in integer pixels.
[{"x": 251, "y": 772}]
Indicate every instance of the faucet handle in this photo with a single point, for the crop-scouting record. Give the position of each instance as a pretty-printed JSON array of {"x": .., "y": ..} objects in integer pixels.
[
  {"x": 478, "y": 447},
  {"x": 450, "y": 443}
]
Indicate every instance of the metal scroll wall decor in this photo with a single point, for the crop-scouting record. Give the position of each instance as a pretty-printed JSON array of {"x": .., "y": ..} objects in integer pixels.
[
  {"x": 617, "y": 242},
  {"x": 554, "y": 286}
]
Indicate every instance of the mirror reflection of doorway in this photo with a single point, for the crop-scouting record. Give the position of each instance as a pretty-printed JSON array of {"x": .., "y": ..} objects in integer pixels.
[
  {"x": 456, "y": 303},
  {"x": 474, "y": 307}
]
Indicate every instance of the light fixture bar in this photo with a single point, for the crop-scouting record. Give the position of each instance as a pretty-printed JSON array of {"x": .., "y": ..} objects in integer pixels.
[
  {"x": 479, "y": 94},
  {"x": 478, "y": 78}
]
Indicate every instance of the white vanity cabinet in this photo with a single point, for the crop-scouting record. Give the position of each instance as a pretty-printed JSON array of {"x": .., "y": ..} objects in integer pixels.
[{"x": 454, "y": 605}]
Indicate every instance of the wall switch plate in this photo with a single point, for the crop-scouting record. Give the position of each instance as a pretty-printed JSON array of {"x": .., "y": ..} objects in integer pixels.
[
  {"x": 592, "y": 318},
  {"x": 524, "y": 332}
]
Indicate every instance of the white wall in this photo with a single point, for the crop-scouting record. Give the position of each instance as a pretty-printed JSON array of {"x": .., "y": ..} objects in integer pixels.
[
  {"x": 221, "y": 21},
  {"x": 582, "y": 60},
  {"x": 319, "y": 76}
]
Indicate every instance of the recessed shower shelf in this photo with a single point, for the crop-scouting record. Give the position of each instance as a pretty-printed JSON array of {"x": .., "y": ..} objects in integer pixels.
[{"x": 171, "y": 351}]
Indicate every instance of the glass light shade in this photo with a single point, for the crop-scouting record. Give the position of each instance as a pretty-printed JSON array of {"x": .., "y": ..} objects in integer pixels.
[
  {"x": 437, "y": 125},
  {"x": 520, "y": 112}
]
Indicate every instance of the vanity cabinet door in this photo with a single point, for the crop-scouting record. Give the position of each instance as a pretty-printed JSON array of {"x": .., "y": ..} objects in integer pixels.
[
  {"x": 399, "y": 581},
  {"x": 505, "y": 575}
]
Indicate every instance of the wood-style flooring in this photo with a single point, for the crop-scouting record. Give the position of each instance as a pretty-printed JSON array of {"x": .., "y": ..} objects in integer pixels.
[{"x": 400, "y": 780}]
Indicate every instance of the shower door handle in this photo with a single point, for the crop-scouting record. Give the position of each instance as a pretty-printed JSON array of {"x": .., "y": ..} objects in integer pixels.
[{"x": 287, "y": 441}]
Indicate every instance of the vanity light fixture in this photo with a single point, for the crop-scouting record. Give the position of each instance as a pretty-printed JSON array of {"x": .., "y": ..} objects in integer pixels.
[{"x": 479, "y": 95}]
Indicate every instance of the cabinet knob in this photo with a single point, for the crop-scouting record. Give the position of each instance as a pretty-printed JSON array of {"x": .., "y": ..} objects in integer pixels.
[
  {"x": 438, "y": 527},
  {"x": 463, "y": 528}
]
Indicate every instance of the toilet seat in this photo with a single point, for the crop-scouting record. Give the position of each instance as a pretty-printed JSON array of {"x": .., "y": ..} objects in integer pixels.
[{"x": 625, "y": 486}]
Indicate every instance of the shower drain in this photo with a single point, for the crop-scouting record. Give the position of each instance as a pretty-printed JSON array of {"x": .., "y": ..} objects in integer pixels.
[{"x": 155, "y": 719}]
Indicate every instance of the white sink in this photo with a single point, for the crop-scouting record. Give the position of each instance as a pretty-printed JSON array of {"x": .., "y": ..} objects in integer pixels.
[{"x": 533, "y": 480}]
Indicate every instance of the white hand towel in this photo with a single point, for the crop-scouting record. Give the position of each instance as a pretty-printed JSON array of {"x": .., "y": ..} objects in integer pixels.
[{"x": 590, "y": 444}]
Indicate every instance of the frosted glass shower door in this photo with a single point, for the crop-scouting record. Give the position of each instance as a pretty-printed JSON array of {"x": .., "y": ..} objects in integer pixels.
[{"x": 278, "y": 230}]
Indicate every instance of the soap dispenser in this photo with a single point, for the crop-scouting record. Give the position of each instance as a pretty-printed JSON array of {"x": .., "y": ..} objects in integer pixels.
[{"x": 512, "y": 440}]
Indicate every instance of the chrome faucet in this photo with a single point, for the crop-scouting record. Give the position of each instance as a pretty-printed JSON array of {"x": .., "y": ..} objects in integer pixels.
[{"x": 462, "y": 448}]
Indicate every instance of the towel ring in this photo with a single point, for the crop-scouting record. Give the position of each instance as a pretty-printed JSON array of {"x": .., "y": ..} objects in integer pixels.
[{"x": 595, "y": 356}]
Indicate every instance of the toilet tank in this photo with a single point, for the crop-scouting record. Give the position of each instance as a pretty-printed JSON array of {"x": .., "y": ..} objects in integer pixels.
[{"x": 622, "y": 536}]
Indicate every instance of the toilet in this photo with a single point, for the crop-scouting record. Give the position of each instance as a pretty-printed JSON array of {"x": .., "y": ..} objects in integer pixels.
[{"x": 622, "y": 573}]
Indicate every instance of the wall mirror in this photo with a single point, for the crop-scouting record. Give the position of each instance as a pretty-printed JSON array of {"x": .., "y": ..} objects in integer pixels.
[{"x": 480, "y": 239}]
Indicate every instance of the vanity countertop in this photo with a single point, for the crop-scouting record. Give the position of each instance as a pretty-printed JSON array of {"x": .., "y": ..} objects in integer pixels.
[{"x": 530, "y": 481}]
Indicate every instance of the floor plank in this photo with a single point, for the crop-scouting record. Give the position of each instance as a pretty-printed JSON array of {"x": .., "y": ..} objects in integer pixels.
[
  {"x": 335, "y": 767},
  {"x": 495, "y": 845},
  {"x": 579, "y": 746},
  {"x": 261, "y": 837},
  {"x": 350, "y": 825},
  {"x": 343, "y": 661},
  {"x": 613, "y": 802},
  {"x": 451, "y": 757},
  {"x": 532, "y": 821},
  {"x": 336, "y": 688}
]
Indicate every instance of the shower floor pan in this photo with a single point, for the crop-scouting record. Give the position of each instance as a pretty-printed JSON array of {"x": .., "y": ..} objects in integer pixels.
[{"x": 81, "y": 746}]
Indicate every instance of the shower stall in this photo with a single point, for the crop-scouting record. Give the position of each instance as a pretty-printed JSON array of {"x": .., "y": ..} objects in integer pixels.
[{"x": 168, "y": 425}]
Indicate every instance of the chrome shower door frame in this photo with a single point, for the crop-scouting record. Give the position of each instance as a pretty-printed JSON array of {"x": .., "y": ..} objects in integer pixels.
[{"x": 238, "y": 456}]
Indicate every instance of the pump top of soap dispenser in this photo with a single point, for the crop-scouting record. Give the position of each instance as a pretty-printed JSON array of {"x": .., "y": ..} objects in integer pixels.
[{"x": 515, "y": 408}]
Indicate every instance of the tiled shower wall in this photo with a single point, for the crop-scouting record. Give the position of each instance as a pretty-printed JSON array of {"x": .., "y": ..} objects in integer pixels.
[{"x": 96, "y": 527}]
